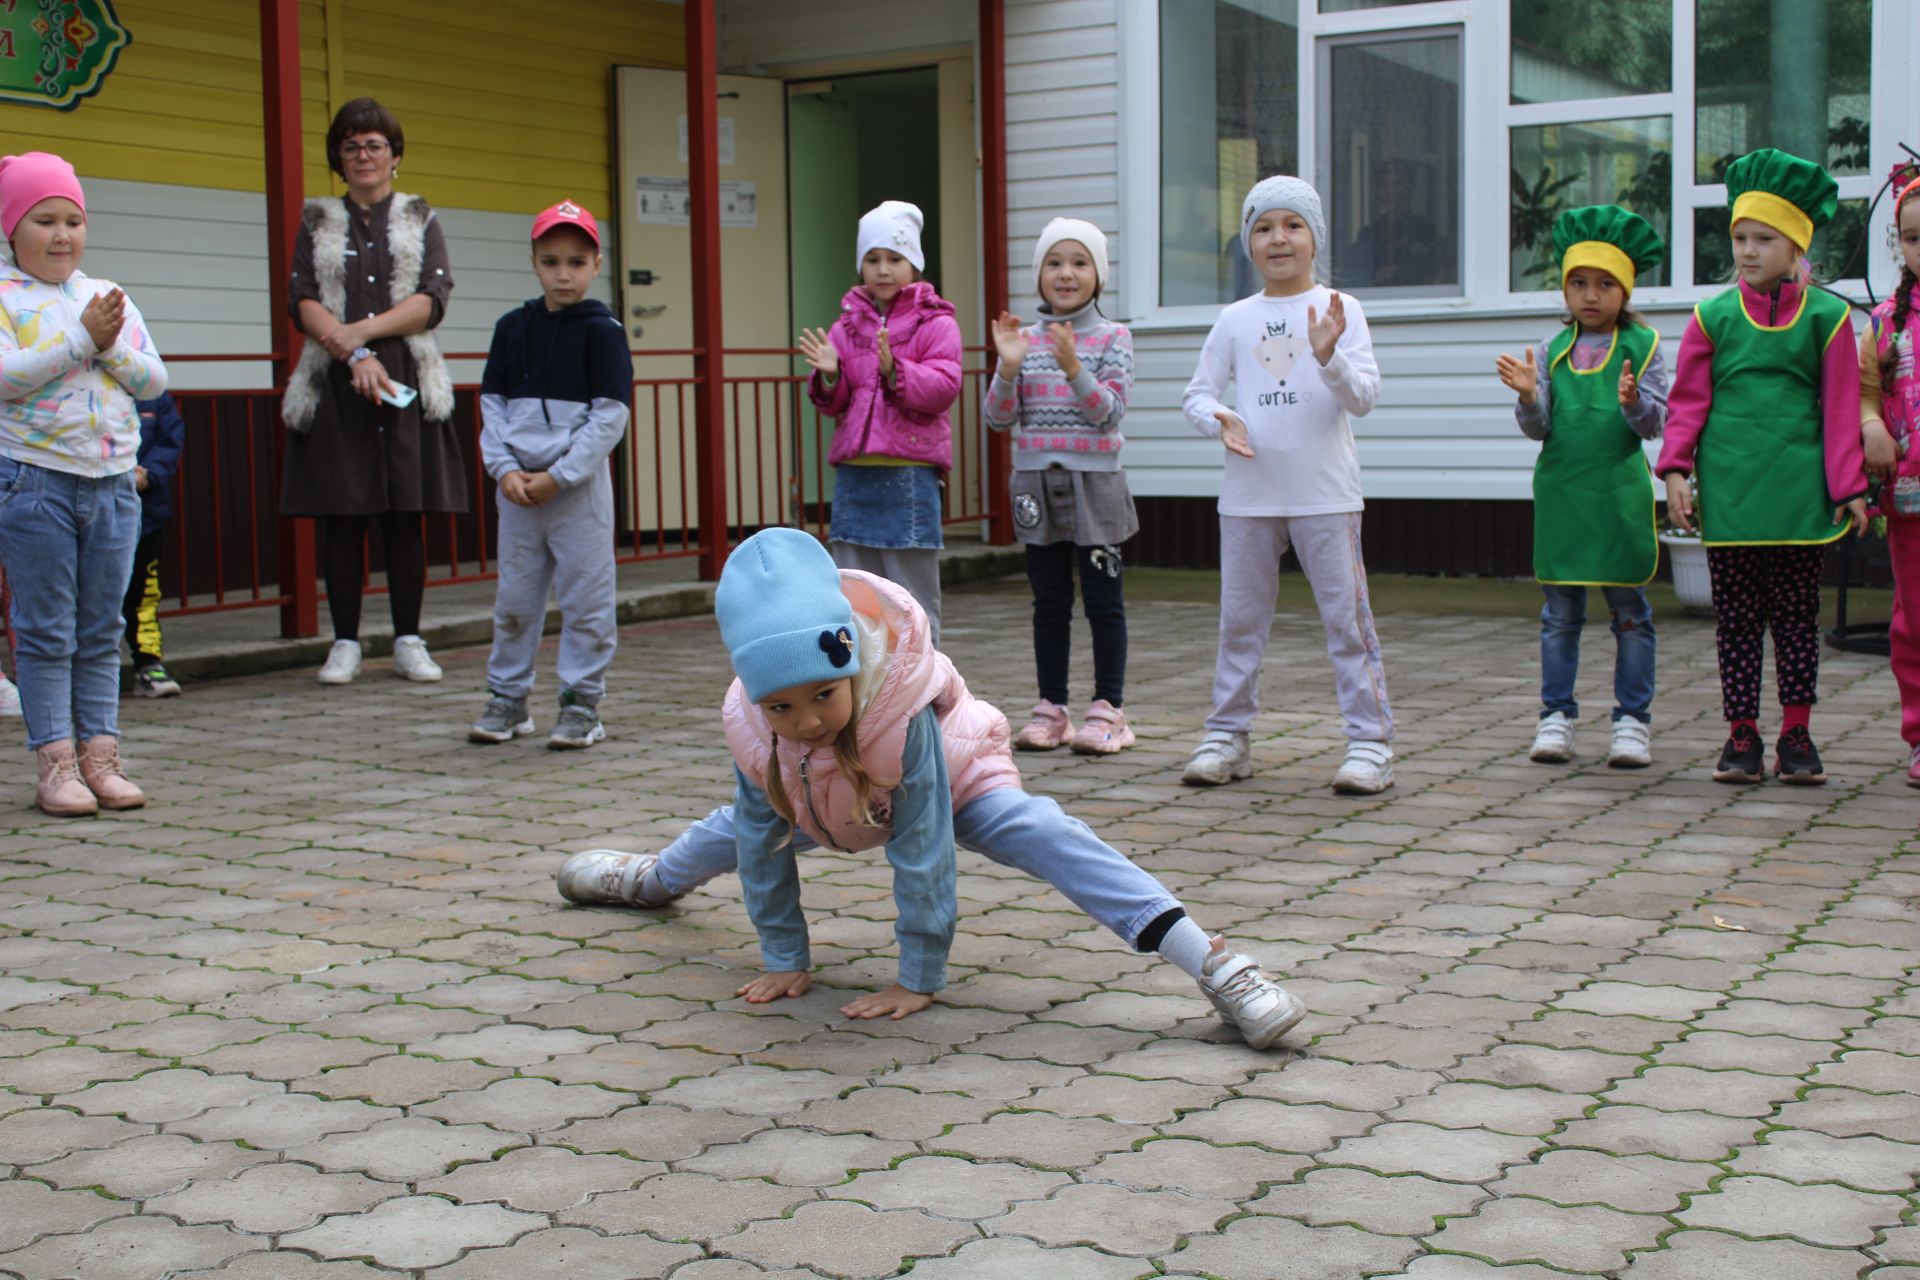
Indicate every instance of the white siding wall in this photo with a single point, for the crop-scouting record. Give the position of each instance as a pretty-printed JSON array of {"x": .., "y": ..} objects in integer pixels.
[
  {"x": 760, "y": 35},
  {"x": 195, "y": 261},
  {"x": 1444, "y": 425}
]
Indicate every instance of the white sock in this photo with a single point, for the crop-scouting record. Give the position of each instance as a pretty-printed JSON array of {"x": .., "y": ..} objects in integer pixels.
[
  {"x": 650, "y": 891},
  {"x": 1186, "y": 945}
]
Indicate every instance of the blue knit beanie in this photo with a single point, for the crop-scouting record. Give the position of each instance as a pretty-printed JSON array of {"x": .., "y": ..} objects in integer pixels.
[{"x": 782, "y": 616}]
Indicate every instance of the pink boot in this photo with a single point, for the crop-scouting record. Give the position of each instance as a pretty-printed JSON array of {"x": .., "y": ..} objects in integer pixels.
[
  {"x": 1104, "y": 731},
  {"x": 1050, "y": 727},
  {"x": 61, "y": 793},
  {"x": 100, "y": 767}
]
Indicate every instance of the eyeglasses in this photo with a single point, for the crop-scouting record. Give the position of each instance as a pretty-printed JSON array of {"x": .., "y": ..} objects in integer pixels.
[{"x": 374, "y": 147}]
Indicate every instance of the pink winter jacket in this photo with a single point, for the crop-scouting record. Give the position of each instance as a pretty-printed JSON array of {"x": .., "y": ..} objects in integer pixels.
[
  {"x": 973, "y": 733},
  {"x": 909, "y": 419}
]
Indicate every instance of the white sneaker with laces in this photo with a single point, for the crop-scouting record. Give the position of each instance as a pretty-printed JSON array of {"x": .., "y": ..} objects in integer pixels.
[
  {"x": 1222, "y": 756},
  {"x": 342, "y": 664},
  {"x": 1253, "y": 1002},
  {"x": 1367, "y": 770},
  {"x": 1632, "y": 745},
  {"x": 9, "y": 698},
  {"x": 411, "y": 661},
  {"x": 1552, "y": 739},
  {"x": 609, "y": 875}
]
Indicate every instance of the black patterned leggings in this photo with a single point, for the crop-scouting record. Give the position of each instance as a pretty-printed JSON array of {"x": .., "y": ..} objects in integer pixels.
[{"x": 1755, "y": 588}]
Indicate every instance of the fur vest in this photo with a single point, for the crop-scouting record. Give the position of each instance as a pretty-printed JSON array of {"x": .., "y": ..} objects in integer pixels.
[{"x": 325, "y": 220}]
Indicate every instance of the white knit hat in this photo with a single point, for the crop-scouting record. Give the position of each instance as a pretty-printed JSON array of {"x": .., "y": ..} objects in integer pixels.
[
  {"x": 1073, "y": 229},
  {"x": 895, "y": 225}
]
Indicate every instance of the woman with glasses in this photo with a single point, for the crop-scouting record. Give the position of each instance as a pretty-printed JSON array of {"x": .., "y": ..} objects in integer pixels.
[{"x": 369, "y": 408}]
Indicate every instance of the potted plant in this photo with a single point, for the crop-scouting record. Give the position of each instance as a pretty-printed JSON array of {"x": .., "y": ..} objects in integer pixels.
[{"x": 1688, "y": 556}]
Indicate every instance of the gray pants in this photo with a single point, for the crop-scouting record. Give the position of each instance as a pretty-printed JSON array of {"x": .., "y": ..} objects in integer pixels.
[
  {"x": 564, "y": 549},
  {"x": 915, "y": 568},
  {"x": 1329, "y": 551}
]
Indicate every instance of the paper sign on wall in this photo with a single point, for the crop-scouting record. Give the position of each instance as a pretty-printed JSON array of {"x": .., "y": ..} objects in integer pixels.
[
  {"x": 668, "y": 202},
  {"x": 725, "y": 138}
]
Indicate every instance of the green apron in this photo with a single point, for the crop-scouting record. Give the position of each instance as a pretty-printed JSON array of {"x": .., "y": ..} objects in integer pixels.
[
  {"x": 1593, "y": 513},
  {"x": 1762, "y": 459}
]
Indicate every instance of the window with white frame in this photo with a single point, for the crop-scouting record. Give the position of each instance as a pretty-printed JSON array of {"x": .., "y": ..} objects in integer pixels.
[
  {"x": 1640, "y": 103},
  {"x": 1229, "y": 115}
]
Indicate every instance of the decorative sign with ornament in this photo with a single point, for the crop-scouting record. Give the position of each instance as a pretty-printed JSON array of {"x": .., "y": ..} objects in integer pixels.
[{"x": 56, "y": 52}]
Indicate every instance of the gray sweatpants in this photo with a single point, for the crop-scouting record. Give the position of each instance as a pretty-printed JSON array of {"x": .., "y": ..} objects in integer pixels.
[
  {"x": 1329, "y": 551},
  {"x": 565, "y": 549},
  {"x": 915, "y": 568}
]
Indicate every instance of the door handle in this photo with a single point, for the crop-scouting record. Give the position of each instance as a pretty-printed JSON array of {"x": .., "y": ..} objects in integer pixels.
[{"x": 642, "y": 312}]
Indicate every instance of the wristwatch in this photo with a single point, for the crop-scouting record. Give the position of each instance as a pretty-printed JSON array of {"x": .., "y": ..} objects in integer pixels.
[{"x": 359, "y": 354}]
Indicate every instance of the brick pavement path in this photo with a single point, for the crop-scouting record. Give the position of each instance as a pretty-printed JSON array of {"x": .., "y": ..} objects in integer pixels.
[{"x": 318, "y": 1014}]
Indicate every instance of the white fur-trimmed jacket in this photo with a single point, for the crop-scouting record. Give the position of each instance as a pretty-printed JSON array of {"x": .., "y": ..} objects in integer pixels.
[{"x": 325, "y": 221}]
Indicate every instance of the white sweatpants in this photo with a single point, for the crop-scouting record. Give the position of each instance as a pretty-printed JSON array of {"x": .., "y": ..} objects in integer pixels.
[
  {"x": 1329, "y": 551},
  {"x": 564, "y": 549}
]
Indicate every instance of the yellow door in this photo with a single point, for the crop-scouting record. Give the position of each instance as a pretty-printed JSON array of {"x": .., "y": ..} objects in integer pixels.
[{"x": 656, "y": 283}]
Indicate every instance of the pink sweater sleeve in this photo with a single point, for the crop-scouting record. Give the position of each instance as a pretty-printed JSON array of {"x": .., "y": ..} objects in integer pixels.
[
  {"x": 1840, "y": 414},
  {"x": 1688, "y": 401}
]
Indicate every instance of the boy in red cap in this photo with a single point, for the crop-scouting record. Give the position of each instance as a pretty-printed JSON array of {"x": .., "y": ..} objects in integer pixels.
[{"x": 554, "y": 400}]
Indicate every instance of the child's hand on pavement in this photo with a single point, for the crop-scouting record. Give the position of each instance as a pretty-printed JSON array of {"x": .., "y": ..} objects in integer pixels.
[
  {"x": 1523, "y": 379},
  {"x": 1233, "y": 434},
  {"x": 771, "y": 986},
  {"x": 896, "y": 1002}
]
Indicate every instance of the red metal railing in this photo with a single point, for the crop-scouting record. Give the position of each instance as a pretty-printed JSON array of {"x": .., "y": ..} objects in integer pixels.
[{"x": 223, "y": 544}]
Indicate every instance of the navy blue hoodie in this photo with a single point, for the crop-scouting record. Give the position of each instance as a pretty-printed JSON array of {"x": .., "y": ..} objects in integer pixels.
[
  {"x": 556, "y": 392},
  {"x": 163, "y": 433}
]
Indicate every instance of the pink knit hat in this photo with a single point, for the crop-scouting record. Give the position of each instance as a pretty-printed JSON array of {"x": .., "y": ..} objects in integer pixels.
[{"x": 29, "y": 178}]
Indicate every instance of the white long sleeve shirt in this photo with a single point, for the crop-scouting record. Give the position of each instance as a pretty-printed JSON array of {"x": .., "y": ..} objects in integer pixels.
[
  {"x": 64, "y": 403},
  {"x": 1298, "y": 412}
]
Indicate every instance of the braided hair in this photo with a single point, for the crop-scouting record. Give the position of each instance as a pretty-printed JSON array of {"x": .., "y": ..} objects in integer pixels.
[{"x": 1903, "y": 293}]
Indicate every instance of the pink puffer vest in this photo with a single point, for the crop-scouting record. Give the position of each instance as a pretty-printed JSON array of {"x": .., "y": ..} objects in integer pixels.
[{"x": 973, "y": 733}]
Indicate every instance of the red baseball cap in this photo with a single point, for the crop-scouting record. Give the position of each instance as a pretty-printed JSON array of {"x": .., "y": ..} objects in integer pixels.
[{"x": 567, "y": 213}]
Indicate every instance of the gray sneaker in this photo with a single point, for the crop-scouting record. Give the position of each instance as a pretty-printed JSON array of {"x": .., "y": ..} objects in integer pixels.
[
  {"x": 1253, "y": 1002},
  {"x": 608, "y": 875},
  {"x": 504, "y": 719},
  {"x": 577, "y": 728},
  {"x": 1221, "y": 757}
]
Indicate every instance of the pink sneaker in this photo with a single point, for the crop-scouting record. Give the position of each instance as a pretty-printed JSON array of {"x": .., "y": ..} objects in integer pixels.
[
  {"x": 1104, "y": 731},
  {"x": 1050, "y": 727},
  {"x": 1913, "y": 767}
]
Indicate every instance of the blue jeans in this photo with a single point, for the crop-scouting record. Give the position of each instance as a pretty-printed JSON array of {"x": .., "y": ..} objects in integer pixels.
[
  {"x": 66, "y": 542},
  {"x": 1561, "y": 619},
  {"x": 1012, "y": 827}
]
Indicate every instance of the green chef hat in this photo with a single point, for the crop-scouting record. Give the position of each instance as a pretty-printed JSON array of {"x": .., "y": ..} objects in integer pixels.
[
  {"x": 1617, "y": 241},
  {"x": 1791, "y": 195}
]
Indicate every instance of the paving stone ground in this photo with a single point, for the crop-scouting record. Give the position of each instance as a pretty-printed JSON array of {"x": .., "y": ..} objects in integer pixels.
[{"x": 317, "y": 1014}]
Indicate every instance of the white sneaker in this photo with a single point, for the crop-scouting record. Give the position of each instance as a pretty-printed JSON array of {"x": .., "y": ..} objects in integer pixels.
[
  {"x": 608, "y": 875},
  {"x": 1261, "y": 1008},
  {"x": 1367, "y": 770},
  {"x": 1632, "y": 748},
  {"x": 9, "y": 697},
  {"x": 1221, "y": 757},
  {"x": 411, "y": 661},
  {"x": 1553, "y": 739},
  {"x": 342, "y": 664}
]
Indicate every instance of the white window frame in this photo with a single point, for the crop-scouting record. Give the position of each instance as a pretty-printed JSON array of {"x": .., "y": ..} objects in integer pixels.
[{"x": 1485, "y": 145}]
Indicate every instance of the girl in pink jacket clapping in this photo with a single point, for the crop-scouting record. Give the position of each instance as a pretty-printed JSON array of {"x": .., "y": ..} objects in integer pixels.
[
  {"x": 889, "y": 370},
  {"x": 850, "y": 731}
]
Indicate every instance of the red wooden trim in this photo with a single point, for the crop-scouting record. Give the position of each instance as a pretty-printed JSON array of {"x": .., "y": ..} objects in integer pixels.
[
  {"x": 703, "y": 181},
  {"x": 993, "y": 204}
]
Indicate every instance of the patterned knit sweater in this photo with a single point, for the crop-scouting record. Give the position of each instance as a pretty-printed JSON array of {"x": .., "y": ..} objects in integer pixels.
[{"x": 1056, "y": 422}]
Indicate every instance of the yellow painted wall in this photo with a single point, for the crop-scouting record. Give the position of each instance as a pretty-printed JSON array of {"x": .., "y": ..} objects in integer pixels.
[{"x": 507, "y": 104}]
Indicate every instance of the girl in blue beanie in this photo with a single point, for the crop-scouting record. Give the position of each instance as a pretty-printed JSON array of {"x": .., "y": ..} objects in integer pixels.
[{"x": 850, "y": 731}]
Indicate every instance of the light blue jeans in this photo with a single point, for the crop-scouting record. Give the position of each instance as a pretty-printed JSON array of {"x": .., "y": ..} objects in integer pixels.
[
  {"x": 66, "y": 542},
  {"x": 1016, "y": 829},
  {"x": 1561, "y": 620}
]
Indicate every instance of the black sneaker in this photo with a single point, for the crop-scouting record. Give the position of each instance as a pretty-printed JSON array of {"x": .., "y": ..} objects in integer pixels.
[
  {"x": 1743, "y": 759},
  {"x": 1795, "y": 759},
  {"x": 154, "y": 682}
]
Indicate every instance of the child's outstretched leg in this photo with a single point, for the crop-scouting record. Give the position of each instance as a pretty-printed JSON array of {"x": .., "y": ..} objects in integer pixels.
[
  {"x": 1033, "y": 834},
  {"x": 701, "y": 852}
]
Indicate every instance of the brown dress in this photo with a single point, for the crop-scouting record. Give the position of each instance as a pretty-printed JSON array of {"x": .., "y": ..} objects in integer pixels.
[{"x": 364, "y": 458}]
